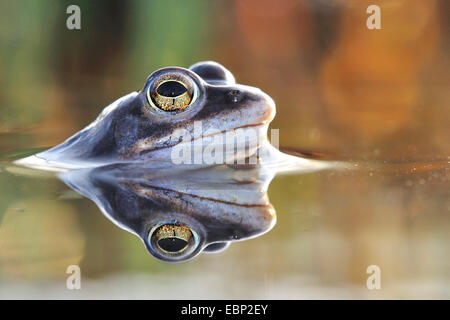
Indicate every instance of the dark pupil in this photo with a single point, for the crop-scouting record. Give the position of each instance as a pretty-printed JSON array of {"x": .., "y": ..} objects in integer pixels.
[
  {"x": 172, "y": 244},
  {"x": 171, "y": 89}
]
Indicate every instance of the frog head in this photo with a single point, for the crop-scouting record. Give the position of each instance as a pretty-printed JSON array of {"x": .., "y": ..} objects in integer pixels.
[{"x": 176, "y": 110}]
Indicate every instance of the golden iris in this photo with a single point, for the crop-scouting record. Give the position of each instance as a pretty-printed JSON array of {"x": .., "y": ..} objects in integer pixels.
[
  {"x": 171, "y": 95},
  {"x": 172, "y": 238}
]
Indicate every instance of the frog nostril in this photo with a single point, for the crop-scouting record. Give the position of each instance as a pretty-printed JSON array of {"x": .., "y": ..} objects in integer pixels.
[{"x": 235, "y": 95}]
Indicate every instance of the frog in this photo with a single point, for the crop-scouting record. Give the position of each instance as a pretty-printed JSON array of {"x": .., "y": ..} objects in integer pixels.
[
  {"x": 145, "y": 125},
  {"x": 124, "y": 161}
]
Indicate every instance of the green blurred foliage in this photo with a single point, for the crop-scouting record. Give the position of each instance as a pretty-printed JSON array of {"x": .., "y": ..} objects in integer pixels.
[
  {"x": 25, "y": 38},
  {"x": 167, "y": 33}
]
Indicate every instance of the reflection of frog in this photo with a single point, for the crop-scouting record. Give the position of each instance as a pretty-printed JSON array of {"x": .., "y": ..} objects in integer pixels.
[
  {"x": 141, "y": 125},
  {"x": 179, "y": 213}
]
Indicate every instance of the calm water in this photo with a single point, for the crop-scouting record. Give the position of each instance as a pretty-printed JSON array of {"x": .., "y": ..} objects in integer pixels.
[{"x": 331, "y": 225}]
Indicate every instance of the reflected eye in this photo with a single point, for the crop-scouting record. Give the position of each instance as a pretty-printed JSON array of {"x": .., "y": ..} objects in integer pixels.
[
  {"x": 171, "y": 92},
  {"x": 173, "y": 240}
]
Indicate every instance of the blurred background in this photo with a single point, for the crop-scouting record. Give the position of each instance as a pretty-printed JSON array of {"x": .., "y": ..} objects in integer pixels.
[{"x": 340, "y": 88}]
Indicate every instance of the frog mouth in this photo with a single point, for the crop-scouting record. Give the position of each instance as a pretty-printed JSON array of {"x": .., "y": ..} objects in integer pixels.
[
  {"x": 39, "y": 161},
  {"x": 259, "y": 136}
]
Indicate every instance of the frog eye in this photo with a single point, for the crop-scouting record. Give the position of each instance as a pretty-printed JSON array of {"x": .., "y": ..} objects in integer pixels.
[
  {"x": 171, "y": 92},
  {"x": 172, "y": 241}
]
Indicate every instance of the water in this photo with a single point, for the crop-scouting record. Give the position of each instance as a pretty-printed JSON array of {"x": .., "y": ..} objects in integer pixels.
[{"x": 330, "y": 226}]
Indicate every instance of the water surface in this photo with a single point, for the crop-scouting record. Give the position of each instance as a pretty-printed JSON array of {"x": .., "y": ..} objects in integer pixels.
[{"x": 330, "y": 226}]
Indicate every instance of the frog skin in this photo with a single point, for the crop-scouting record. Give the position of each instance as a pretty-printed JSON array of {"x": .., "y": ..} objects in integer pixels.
[
  {"x": 193, "y": 211},
  {"x": 140, "y": 126}
]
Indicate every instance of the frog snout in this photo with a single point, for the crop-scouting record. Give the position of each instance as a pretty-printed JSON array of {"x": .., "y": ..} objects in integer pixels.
[
  {"x": 264, "y": 108},
  {"x": 269, "y": 108}
]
